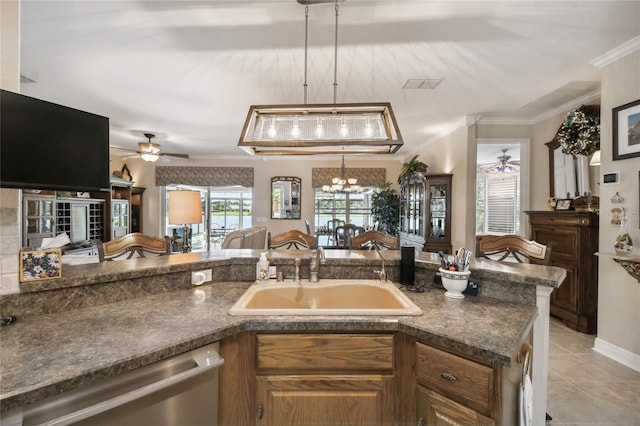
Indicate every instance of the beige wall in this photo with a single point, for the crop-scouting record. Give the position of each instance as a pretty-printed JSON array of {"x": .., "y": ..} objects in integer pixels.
[
  {"x": 143, "y": 174},
  {"x": 618, "y": 293},
  {"x": 450, "y": 154},
  {"x": 9, "y": 198}
]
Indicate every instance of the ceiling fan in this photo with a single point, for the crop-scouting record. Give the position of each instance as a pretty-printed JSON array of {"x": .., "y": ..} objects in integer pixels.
[
  {"x": 503, "y": 165},
  {"x": 150, "y": 151}
]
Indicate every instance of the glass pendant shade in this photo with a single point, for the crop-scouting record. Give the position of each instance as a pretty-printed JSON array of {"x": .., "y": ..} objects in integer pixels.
[
  {"x": 149, "y": 151},
  {"x": 320, "y": 129}
]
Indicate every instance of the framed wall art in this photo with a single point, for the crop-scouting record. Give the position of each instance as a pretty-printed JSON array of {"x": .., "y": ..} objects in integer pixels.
[
  {"x": 40, "y": 264},
  {"x": 563, "y": 204},
  {"x": 626, "y": 131}
]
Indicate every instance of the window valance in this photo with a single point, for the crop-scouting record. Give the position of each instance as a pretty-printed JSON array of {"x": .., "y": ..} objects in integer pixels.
[
  {"x": 204, "y": 176},
  {"x": 365, "y": 176}
]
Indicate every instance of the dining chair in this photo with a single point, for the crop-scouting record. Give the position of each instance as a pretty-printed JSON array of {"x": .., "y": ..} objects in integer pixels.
[
  {"x": 344, "y": 233},
  {"x": 513, "y": 247},
  {"x": 293, "y": 239},
  {"x": 134, "y": 244},
  {"x": 332, "y": 224},
  {"x": 371, "y": 238}
]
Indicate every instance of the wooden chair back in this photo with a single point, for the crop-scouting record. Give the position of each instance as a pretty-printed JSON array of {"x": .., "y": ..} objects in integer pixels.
[
  {"x": 506, "y": 247},
  {"x": 135, "y": 244},
  {"x": 332, "y": 224},
  {"x": 293, "y": 239},
  {"x": 372, "y": 237}
]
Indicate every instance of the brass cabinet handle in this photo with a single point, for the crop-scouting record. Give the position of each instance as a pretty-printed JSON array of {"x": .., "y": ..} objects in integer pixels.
[
  {"x": 448, "y": 376},
  {"x": 260, "y": 412}
]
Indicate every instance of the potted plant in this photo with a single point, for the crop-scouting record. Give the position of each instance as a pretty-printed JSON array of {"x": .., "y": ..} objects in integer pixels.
[
  {"x": 410, "y": 168},
  {"x": 385, "y": 209}
]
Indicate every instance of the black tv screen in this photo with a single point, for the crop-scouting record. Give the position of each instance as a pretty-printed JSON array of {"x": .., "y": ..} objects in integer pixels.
[{"x": 49, "y": 146}]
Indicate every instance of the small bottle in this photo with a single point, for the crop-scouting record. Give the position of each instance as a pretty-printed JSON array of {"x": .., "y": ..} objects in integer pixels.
[{"x": 262, "y": 268}]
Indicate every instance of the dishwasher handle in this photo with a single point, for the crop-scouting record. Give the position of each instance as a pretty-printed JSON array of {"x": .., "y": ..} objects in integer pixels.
[{"x": 205, "y": 360}]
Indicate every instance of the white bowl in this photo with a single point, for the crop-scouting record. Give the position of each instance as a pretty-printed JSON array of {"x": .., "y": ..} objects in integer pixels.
[{"x": 455, "y": 282}]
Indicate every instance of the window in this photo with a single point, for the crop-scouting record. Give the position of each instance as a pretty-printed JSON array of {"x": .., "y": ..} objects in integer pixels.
[
  {"x": 497, "y": 205},
  {"x": 229, "y": 208},
  {"x": 351, "y": 207}
]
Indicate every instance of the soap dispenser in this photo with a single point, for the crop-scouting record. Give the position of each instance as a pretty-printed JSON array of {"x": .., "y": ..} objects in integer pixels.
[{"x": 262, "y": 268}]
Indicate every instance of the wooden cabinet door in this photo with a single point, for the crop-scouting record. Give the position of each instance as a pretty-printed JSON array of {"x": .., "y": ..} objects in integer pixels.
[
  {"x": 435, "y": 409},
  {"x": 324, "y": 400}
]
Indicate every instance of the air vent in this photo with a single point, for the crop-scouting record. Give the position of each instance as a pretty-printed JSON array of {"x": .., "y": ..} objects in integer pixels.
[
  {"x": 422, "y": 83},
  {"x": 25, "y": 79}
]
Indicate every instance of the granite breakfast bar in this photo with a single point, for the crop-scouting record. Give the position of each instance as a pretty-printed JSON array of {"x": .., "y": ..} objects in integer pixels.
[{"x": 101, "y": 320}]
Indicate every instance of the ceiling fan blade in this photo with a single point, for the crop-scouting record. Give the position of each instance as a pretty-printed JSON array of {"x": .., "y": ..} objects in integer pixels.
[{"x": 168, "y": 154}]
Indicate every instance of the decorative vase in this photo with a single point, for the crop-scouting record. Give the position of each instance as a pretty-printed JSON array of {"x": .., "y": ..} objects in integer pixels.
[{"x": 623, "y": 244}]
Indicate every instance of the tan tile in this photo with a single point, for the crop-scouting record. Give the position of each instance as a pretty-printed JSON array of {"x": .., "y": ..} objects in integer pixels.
[
  {"x": 555, "y": 348},
  {"x": 568, "y": 404},
  {"x": 614, "y": 368},
  {"x": 552, "y": 376},
  {"x": 621, "y": 396},
  {"x": 576, "y": 343},
  {"x": 575, "y": 369}
]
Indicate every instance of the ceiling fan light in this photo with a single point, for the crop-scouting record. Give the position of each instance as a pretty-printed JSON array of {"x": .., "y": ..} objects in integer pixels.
[{"x": 150, "y": 157}]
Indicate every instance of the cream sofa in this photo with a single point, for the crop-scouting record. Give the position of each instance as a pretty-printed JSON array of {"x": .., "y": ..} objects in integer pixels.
[{"x": 251, "y": 238}]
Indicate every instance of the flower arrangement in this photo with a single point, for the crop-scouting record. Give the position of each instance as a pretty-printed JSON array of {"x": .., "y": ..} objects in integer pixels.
[{"x": 580, "y": 131}]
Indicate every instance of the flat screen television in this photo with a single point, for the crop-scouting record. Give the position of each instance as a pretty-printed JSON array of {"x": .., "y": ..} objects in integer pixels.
[{"x": 51, "y": 147}]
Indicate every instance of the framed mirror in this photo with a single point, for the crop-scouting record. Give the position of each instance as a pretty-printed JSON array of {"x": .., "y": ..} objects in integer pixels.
[
  {"x": 562, "y": 171},
  {"x": 285, "y": 197}
]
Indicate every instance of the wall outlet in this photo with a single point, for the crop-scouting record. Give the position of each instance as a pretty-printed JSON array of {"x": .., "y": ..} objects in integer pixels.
[{"x": 201, "y": 277}]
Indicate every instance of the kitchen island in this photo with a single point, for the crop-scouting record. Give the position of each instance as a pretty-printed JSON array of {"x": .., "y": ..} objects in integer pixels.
[{"x": 124, "y": 315}]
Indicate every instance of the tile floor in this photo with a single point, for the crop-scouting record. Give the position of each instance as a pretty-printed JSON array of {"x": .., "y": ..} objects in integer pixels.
[{"x": 586, "y": 388}]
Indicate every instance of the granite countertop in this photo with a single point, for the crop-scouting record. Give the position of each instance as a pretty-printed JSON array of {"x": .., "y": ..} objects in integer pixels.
[
  {"x": 47, "y": 354},
  {"x": 87, "y": 274}
]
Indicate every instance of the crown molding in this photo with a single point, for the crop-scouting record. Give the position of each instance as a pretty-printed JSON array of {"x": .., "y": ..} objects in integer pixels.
[{"x": 616, "y": 53}]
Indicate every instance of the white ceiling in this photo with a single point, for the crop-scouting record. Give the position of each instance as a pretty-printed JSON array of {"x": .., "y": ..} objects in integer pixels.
[{"x": 188, "y": 71}]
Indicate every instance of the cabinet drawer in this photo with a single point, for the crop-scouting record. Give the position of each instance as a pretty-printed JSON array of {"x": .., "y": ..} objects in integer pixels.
[
  {"x": 331, "y": 352},
  {"x": 438, "y": 410},
  {"x": 460, "y": 379}
]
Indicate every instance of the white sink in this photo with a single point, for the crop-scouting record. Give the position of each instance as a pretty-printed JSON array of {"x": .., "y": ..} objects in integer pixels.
[{"x": 327, "y": 297}]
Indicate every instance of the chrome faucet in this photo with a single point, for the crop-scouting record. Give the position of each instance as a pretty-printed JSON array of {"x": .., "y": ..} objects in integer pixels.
[
  {"x": 296, "y": 278},
  {"x": 382, "y": 274},
  {"x": 317, "y": 258}
]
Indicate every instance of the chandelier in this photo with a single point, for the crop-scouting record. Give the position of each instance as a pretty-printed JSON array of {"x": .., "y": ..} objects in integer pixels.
[
  {"x": 342, "y": 183},
  {"x": 301, "y": 129}
]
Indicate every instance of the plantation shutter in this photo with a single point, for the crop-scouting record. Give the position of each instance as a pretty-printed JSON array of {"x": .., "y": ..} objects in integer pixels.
[{"x": 502, "y": 205}]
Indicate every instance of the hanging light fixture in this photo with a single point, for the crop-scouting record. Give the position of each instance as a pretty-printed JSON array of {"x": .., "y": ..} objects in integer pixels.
[
  {"x": 342, "y": 183},
  {"x": 345, "y": 128},
  {"x": 504, "y": 165},
  {"x": 149, "y": 151}
]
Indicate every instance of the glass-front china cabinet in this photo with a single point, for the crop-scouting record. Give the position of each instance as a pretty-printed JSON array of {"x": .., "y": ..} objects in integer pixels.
[{"x": 425, "y": 212}]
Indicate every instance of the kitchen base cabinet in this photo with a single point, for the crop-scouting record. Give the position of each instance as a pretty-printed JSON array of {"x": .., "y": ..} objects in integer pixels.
[
  {"x": 358, "y": 379},
  {"x": 324, "y": 379},
  {"x": 324, "y": 400},
  {"x": 456, "y": 390}
]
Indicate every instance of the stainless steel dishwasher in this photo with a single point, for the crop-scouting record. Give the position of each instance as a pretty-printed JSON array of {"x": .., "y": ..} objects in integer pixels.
[{"x": 182, "y": 390}]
